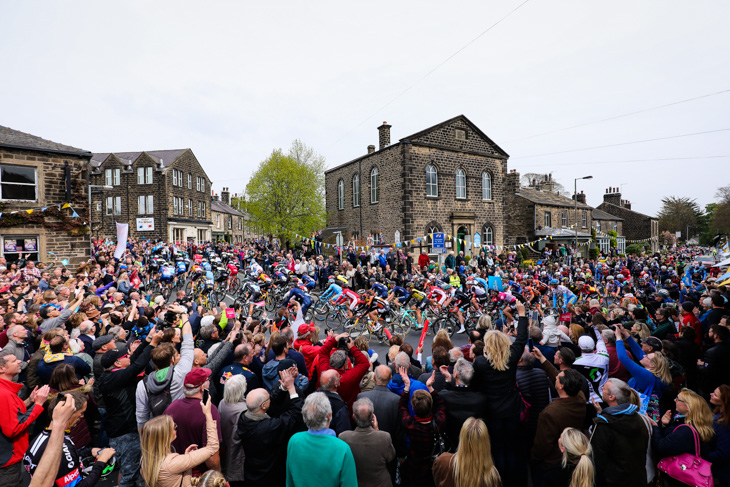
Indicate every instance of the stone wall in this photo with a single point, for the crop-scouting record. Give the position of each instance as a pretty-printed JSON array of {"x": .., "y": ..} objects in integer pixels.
[{"x": 51, "y": 191}]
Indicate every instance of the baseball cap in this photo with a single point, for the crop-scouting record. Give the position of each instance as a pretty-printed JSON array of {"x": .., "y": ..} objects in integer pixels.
[
  {"x": 286, "y": 364},
  {"x": 654, "y": 343},
  {"x": 196, "y": 377},
  {"x": 586, "y": 343},
  {"x": 101, "y": 341},
  {"x": 304, "y": 329},
  {"x": 108, "y": 359},
  {"x": 207, "y": 320}
]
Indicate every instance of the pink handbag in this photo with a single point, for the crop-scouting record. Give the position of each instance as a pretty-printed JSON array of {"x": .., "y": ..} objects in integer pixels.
[{"x": 687, "y": 468}]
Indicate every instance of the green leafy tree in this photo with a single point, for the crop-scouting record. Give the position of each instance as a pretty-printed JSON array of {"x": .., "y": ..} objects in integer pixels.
[
  {"x": 287, "y": 192},
  {"x": 680, "y": 214},
  {"x": 720, "y": 218}
]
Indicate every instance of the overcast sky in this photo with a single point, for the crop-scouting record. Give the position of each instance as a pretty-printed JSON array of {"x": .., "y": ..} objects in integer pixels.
[{"x": 233, "y": 80}]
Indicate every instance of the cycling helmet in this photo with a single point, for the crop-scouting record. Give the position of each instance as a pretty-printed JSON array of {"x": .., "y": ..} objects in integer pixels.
[
  {"x": 409, "y": 285},
  {"x": 342, "y": 280},
  {"x": 330, "y": 279},
  {"x": 264, "y": 277},
  {"x": 444, "y": 285},
  {"x": 663, "y": 293},
  {"x": 554, "y": 282}
]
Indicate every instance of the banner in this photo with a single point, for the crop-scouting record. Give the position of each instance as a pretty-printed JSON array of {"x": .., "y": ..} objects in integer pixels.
[{"x": 122, "y": 233}]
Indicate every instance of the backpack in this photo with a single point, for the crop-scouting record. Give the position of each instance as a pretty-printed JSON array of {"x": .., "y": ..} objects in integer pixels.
[{"x": 158, "y": 402}]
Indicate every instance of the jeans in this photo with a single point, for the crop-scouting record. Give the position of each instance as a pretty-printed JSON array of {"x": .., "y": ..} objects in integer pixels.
[{"x": 128, "y": 454}]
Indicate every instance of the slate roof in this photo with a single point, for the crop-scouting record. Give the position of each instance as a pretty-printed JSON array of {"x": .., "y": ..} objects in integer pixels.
[
  {"x": 452, "y": 120},
  {"x": 221, "y": 207},
  {"x": 16, "y": 139},
  {"x": 549, "y": 198},
  {"x": 166, "y": 156},
  {"x": 621, "y": 208},
  {"x": 602, "y": 215},
  {"x": 561, "y": 233}
]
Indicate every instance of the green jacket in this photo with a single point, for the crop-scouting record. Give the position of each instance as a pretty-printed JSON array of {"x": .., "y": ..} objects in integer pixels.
[{"x": 319, "y": 460}]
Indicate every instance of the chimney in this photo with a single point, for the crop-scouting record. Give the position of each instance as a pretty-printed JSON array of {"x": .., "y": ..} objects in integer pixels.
[
  {"x": 371, "y": 149},
  {"x": 226, "y": 196},
  {"x": 626, "y": 204},
  {"x": 613, "y": 196},
  {"x": 512, "y": 182},
  {"x": 384, "y": 135},
  {"x": 547, "y": 184},
  {"x": 215, "y": 197},
  {"x": 581, "y": 197}
]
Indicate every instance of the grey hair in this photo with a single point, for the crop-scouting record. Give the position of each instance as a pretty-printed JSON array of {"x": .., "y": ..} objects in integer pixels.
[
  {"x": 363, "y": 411},
  {"x": 455, "y": 354},
  {"x": 14, "y": 329},
  {"x": 75, "y": 333},
  {"x": 609, "y": 336},
  {"x": 235, "y": 390},
  {"x": 207, "y": 331},
  {"x": 337, "y": 359},
  {"x": 315, "y": 411},
  {"x": 115, "y": 331},
  {"x": 535, "y": 333},
  {"x": 485, "y": 322},
  {"x": 402, "y": 360},
  {"x": 3, "y": 357},
  {"x": 288, "y": 334},
  {"x": 85, "y": 327},
  {"x": 527, "y": 357},
  {"x": 620, "y": 389},
  {"x": 464, "y": 370},
  {"x": 191, "y": 391}
]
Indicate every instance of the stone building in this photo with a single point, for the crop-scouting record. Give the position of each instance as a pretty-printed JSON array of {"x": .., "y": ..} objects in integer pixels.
[
  {"x": 636, "y": 226},
  {"x": 447, "y": 178},
  {"x": 37, "y": 178},
  {"x": 604, "y": 223},
  {"x": 161, "y": 194},
  {"x": 229, "y": 224},
  {"x": 537, "y": 211}
]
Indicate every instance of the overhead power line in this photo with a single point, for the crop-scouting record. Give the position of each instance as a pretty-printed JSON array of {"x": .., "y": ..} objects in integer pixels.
[
  {"x": 626, "y": 161},
  {"x": 621, "y": 143},
  {"x": 621, "y": 116},
  {"x": 429, "y": 73}
]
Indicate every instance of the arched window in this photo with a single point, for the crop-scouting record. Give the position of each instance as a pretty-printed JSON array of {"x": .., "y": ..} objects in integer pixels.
[
  {"x": 460, "y": 184},
  {"x": 374, "y": 188},
  {"x": 356, "y": 190},
  {"x": 433, "y": 227},
  {"x": 432, "y": 181},
  {"x": 488, "y": 238},
  {"x": 340, "y": 195},
  {"x": 486, "y": 186}
]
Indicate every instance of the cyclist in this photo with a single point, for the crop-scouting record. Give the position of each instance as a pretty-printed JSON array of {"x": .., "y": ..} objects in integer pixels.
[
  {"x": 419, "y": 300},
  {"x": 301, "y": 296},
  {"x": 397, "y": 293},
  {"x": 333, "y": 291},
  {"x": 375, "y": 306},
  {"x": 440, "y": 294},
  {"x": 309, "y": 283},
  {"x": 478, "y": 292},
  {"x": 558, "y": 289},
  {"x": 181, "y": 268},
  {"x": 378, "y": 288},
  {"x": 350, "y": 297},
  {"x": 232, "y": 273},
  {"x": 461, "y": 300},
  {"x": 167, "y": 274}
]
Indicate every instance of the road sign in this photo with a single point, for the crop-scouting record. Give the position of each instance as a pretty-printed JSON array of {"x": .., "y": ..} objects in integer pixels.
[
  {"x": 477, "y": 239},
  {"x": 438, "y": 240}
]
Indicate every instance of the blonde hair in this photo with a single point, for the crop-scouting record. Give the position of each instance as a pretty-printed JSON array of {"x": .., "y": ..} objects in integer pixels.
[
  {"x": 155, "y": 445},
  {"x": 392, "y": 352},
  {"x": 442, "y": 340},
  {"x": 578, "y": 451},
  {"x": 472, "y": 463},
  {"x": 699, "y": 414},
  {"x": 661, "y": 368},
  {"x": 644, "y": 331},
  {"x": 576, "y": 331},
  {"x": 497, "y": 349},
  {"x": 485, "y": 322}
]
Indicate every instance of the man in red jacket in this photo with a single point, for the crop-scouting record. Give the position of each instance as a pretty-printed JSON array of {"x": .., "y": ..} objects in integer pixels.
[
  {"x": 423, "y": 260},
  {"x": 350, "y": 375},
  {"x": 15, "y": 419}
]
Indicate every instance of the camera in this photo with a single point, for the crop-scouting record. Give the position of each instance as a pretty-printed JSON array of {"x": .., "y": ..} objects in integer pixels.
[{"x": 170, "y": 319}]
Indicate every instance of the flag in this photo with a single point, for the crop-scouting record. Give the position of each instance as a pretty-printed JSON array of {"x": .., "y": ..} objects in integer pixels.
[{"x": 122, "y": 233}]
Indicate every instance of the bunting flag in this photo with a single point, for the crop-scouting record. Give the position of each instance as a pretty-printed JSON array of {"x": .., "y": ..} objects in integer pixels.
[{"x": 30, "y": 211}]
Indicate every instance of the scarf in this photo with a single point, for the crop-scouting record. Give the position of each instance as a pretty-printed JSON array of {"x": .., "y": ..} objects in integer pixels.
[{"x": 53, "y": 357}]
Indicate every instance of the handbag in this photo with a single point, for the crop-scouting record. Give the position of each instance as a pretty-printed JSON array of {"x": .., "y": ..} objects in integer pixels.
[
  {"x": 688, "y": 468},
  {"x": 440, "y": 444}
]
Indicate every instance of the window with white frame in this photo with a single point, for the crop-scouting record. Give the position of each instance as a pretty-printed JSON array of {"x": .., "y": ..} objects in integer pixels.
[
  {"x": 374, "y": 188},
  {"x": 117, "y": 205},
  {"x": 108, "y": 177},
  {"x": 174, "y": 177},
  {"x": 146, "y": 205},
  {"x": 190, "y": 207},
  {"x": 460, "y": 184},
  {"x": 356, "y": 190},
  {"x": 18, "y": 183},
  {"x": 117, "y": 177},
  {"x": 144, "y": 175},
  {"x": 585, "y": 219},
  {"x": 109, "y": 205},
  {"x": 230, "y": 222},
  {"x": 174, "y": 205},
  {"x": 190, "y": 181},
  {"x": 218, "y": 221},
  {"x": 140, "y": 175},
  {"x": 202, "y": 185},
  {"x": 486, "y": 186},
  {"x": 488, "y": 238},
  {"x": 548, "y": 219},
  {"x": 615, "y": 226},
  {"x": 15, "y": 247},
  {"x": 340, "y": 195},
  {"x": 197, "y": 183},
  {"x": 432, "y": 181},
  {"x": 240, "y": 223},
  {"x": 564, "y": 218}
]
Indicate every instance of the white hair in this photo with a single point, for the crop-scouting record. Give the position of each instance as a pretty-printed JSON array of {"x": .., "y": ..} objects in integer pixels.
[
  {"x": 235, "y": 390},
  {"x": 316, "y": 410}
]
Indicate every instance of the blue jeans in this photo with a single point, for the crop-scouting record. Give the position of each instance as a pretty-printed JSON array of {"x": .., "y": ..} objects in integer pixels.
[{"x": 128, "y": 454}]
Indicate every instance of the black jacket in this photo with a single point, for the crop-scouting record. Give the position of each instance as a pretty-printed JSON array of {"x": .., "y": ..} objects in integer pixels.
[
  {"x": 500, "y": 386},
  {"x": 340, "y": 414},
  {"x": 462, "y": 403},
  {"x": 717, "y": 367},
  {"x": 534, "y": 386},
  {"x": 264, "y": 440},
  {"x": 119, "y": 390},
  {"x": 620, "y": 439}
]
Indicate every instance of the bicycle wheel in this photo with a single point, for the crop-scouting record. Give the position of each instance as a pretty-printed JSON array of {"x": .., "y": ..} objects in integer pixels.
[
  {"x": 320, "y": 311},
  {"x": 334, "y": 320},
  {"x": 407, "y": 322},
  {"x": 270, "y": 302}
]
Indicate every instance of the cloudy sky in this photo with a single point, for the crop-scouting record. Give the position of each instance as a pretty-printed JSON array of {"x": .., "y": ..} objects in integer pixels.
[{"x": 233, "y": 80}]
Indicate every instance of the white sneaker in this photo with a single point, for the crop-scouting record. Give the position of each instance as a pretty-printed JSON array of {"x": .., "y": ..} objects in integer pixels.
[{"x": 461, "y": 330}]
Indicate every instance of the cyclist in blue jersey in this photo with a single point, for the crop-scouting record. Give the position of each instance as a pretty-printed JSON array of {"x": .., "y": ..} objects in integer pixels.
[
  {"x": 333, "y": 291},
  {"x": 309, "y": 283},
  {"x": 556, "y": 289},
  {"x": 299, "y": 295},
  {"x": 379, "y": 289},
  {"x": 166, "y": 273}
]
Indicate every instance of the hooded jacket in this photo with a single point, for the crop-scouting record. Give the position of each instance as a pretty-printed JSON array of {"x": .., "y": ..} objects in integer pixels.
[
  {"x": 14, "y": 422},
  {"x": 620, "y": 440},
  {"x": 270, "y": 375}
]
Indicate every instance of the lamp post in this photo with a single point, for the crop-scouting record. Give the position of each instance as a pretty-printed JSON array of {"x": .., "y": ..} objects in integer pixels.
[
  {"x": 575, "y": 204},
  {"x": 93, "y": 186}
]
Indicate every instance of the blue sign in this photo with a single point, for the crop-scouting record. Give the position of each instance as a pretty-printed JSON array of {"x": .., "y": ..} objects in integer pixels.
[
  {"x": 438, "y": 240},
  {"x": 477, "y": 239},
  {"x": 495, "y": 283}
]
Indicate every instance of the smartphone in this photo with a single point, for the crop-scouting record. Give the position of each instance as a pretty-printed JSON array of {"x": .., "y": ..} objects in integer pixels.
[
  {"x": 206, "y": 396},
  {"x": 535, "y": 316},
  {"x": 530, "y": 344}
]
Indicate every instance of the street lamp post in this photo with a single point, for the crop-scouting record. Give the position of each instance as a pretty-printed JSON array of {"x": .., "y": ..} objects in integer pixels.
[
  {"x": 93, "y": 186},
  {"x": 575, "y": 204}
]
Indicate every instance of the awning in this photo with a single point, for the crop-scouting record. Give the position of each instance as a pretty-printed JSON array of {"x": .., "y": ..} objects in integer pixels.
[{"x": 724, "y": 263}]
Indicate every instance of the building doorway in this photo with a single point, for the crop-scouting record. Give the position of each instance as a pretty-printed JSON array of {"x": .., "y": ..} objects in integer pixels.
[{"x": 461, "y": 233}]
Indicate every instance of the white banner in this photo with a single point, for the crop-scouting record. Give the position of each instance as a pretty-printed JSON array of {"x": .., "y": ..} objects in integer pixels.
[{"x": 122, "y": 233}]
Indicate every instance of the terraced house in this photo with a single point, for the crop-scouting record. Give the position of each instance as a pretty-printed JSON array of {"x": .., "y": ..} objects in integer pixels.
[{"x": 161, "y": 194}]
